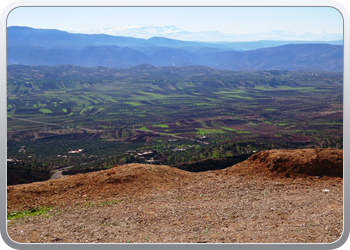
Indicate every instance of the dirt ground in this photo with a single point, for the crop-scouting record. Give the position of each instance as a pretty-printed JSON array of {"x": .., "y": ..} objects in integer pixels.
[{"x": 277, "y": 196}]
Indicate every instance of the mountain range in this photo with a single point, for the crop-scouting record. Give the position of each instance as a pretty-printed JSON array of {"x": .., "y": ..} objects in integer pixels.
[
  {"x": 174, "y": 32},
  {"x": 31, "y": 46}
]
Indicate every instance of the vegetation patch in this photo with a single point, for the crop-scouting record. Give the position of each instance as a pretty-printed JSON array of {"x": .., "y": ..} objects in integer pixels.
[
  {"x": 46, "y": 111},
  {"x": 229, "y": 129},
  {"x": 26, "y": 213},
  {"x": 243, "y": 132},
  {"x": 204, "y": 131},
  {"x": 144, "y": 128},
  {"x": 161, "y": 126},
  {"x": 134, "y": 103}
]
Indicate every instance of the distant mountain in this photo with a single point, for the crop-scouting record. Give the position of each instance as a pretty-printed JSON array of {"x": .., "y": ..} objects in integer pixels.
[
  {"x": 173, "y": 32},
  {"x": 286, "y": 57},
  {"x": 49, "y": 38},
  {"x": 53, "y": 47},
  {"x": 267, "y": 44}
]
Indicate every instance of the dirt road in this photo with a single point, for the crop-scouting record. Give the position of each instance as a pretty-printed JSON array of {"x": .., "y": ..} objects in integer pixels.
[{"x": 57, "y": 173}]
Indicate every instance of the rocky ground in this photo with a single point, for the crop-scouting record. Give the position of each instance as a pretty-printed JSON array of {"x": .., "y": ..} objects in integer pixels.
[{"x": 277, "y": 196}]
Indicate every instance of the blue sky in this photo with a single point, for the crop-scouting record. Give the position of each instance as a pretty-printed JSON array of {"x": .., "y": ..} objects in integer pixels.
[{"x": 189, "y": 23}]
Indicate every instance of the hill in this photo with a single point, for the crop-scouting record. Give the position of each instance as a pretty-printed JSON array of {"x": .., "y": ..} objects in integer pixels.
[
  {"x": 53, "y": 47},
  {"x": 22, "y": 77},
  {"x": 253, "y": 201}
]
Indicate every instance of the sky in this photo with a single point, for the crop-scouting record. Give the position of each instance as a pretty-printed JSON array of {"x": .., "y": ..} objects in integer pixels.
[{"x": 188, "y": 23}]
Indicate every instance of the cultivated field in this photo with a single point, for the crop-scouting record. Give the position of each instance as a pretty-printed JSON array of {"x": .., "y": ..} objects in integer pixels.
[{"x": 181, "y": 114}]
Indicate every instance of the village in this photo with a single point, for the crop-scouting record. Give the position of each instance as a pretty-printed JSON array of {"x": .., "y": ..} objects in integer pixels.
[{"x": 149, "y": 155}]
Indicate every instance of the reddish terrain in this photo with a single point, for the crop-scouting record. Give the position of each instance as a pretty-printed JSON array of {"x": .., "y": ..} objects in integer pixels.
[{"x": 274, "y": 196}]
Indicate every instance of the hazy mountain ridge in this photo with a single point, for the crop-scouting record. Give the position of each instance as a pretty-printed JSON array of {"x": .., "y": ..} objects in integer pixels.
[
  {"x": 20, "y": 74},
  {"x": 52, "y": 47}
]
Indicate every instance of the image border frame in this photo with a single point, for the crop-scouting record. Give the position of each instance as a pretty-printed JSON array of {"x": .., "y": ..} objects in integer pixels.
[{"x": 179, "y": 3}]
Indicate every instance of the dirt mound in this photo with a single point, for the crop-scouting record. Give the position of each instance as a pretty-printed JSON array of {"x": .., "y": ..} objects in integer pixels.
[
  {"x": 316, "y": 162},
  {"x": 141, "y": 180},
  {"x": 121, "y": 181},
  {"x": 140, "y": 203}
]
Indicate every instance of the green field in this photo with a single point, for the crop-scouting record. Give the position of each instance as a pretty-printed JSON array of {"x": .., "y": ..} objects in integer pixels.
[
  {"x": 161, "y": 126},
  {"x": 204, "y": 131},
  {"x": 45, "y": 111},
  {"x": 182, "y": 115}
]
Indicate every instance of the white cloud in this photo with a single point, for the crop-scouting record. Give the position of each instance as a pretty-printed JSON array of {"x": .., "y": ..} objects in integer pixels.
[{"x": 140, "y": 31}]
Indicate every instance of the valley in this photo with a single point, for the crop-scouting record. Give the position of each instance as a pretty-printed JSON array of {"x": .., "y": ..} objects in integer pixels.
[
  {"x": 175, "y": 116},
  {"x": 175, "y": 124}
]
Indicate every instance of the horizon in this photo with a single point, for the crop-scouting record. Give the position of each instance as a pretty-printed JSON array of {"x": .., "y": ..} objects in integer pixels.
[
  {"x": 225, "y": 24},
  {"x": 160, "y": 36}
]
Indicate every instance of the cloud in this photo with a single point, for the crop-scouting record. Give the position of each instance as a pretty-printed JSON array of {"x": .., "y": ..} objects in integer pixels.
[
  {"x": 140, "y": 31},
  {"x": 171, "y": 31}
]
